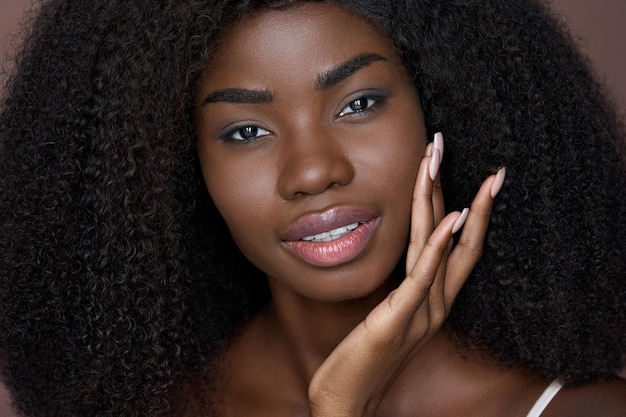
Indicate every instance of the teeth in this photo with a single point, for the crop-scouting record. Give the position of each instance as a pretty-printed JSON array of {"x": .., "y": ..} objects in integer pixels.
[{"x": 331, "y": 234}]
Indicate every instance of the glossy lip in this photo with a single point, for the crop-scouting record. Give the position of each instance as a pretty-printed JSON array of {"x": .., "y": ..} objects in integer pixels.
[
  {"x": 338, "y": 251},
  {"x": 315, "y": 223}
]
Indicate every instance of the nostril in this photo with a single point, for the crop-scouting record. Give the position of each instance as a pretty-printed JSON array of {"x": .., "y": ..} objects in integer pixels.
[{"x": 314, "y": 174}]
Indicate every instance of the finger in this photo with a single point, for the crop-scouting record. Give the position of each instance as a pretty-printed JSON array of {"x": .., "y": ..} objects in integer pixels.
[
  {"x": 438, "y": 204},
  {"x": 422, "y": 221},
  {"x": 468, "y": 250},
  {"x": 416, "y": 286},
  {"x": 405, "y": 312},
  {"x": 436, "y": 296}
]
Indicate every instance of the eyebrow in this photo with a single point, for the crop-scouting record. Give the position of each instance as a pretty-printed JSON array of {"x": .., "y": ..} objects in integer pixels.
[
  {"x": 334, "y": 76},
  {"x": 239, "y": 96},
  {"x": 325, "y": 80}
]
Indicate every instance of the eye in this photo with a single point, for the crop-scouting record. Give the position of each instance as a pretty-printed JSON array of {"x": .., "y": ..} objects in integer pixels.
[
  {"x": 247, "y": 133},
  {"x": 362, "y": 105}
]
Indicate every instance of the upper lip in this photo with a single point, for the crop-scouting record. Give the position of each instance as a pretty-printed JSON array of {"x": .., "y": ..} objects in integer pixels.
[{"x": 323, "y": 221}]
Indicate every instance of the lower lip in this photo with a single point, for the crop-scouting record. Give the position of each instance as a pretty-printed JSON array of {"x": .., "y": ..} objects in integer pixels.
[{"x": 336, "y": 252}]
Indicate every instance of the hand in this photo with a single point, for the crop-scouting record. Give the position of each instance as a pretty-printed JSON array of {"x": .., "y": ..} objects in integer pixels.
[{"x": 356, "y": 376}]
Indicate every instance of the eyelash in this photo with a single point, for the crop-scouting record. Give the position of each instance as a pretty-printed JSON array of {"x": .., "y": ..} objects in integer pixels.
[
  {"x": 229, "y": 136},
  {"x": 372, "y": 101}
]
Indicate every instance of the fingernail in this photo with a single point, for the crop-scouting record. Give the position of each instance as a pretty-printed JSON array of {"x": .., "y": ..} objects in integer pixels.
[
  {"x": 497, "y": 183},
  {"x": 435, "y": 162},
  {"x": 438, "y": 143},
  {"x": 460, "y": 221}
]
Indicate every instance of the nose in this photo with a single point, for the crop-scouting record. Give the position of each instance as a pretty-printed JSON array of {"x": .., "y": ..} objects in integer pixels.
[{"x": 312, "y": 164}]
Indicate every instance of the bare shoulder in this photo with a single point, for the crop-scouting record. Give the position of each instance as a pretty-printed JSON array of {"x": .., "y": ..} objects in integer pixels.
[{"x": 606, "y": 398}]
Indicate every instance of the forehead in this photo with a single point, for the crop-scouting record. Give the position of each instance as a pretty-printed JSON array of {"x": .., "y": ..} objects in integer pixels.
[{"x": 305, "y": 38}]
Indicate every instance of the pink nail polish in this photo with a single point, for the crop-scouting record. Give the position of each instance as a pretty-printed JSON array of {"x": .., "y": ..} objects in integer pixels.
[
  {"x": 497, "y": 183},
  {"x": 438, "y": 143},
  {"x": 460, "y": 221},
  {"x": 435, "y": 162}
]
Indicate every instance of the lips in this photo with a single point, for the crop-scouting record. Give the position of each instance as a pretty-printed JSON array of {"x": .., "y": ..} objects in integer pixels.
[
  {"x": 332, "y": 234},
  {"x": 332, "y": 237}
]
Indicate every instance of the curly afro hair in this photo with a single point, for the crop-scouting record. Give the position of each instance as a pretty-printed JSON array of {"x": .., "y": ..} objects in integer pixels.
[{"x": 118, "y": 277}]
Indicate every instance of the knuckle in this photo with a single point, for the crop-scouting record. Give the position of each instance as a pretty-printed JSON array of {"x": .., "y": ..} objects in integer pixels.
[
  {"x": 473, "y": 247},
  {"x": 437, "y": 316}
]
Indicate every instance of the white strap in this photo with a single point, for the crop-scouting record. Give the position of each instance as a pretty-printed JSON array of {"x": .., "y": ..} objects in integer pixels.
[{"x": 546, "y": 397}]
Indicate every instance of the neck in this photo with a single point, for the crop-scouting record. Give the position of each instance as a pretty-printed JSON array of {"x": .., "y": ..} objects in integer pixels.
[
  {"x": 440, "y": 379},
  {"x": 310, "y": 330}
]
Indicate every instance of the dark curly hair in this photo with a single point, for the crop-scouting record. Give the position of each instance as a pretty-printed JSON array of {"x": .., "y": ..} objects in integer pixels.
[{"x": 118, "y": 277}]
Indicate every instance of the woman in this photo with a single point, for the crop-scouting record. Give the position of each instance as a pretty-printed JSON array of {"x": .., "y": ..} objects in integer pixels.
[{"x": 122, "y": 291}]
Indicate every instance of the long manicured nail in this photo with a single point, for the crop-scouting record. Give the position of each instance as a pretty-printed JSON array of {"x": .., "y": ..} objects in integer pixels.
[
  {"x": 435, "y": 162},
  {"x": 438, "y": 143},
  {"x": 497, "y": 183},
  {"x": 460, "y": 221}
]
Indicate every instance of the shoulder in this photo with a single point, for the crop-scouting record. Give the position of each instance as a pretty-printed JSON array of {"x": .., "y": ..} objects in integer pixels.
[{"x": 606, "y": 398}]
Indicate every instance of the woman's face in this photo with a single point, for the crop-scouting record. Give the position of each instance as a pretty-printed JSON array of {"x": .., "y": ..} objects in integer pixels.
[{"x": 307, "y": 124}]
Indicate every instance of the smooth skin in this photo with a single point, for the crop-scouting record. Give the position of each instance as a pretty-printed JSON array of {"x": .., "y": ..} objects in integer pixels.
[{"x": 305, "y": 111}]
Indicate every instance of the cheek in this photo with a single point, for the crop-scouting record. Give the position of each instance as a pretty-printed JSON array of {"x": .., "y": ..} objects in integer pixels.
[
  {"x": 398, "y": 180},
  {"x": 242, "y": 193},
  {"x": 402, "y": 156},
  {"x": 399, "y": 158},
  {"x": 236, "y": 197},
  {"x": 410, "y": 151}
]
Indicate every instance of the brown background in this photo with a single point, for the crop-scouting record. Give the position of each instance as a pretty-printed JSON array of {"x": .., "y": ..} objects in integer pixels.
[{"x": 597, "y": 24}]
